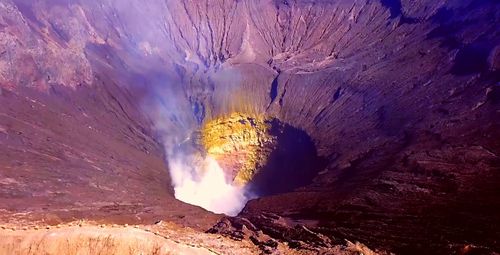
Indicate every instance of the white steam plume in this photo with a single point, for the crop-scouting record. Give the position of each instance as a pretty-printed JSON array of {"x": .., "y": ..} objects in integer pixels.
[
  {"x": 197, "y": 179},
  {"x": 205, "y": 185}
]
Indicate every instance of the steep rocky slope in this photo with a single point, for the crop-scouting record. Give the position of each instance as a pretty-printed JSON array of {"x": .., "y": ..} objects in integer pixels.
[{"x": 400, "y": 98}]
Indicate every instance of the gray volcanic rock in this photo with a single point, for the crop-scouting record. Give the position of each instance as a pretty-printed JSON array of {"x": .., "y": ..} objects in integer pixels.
[{"x": 400, "y": 97}]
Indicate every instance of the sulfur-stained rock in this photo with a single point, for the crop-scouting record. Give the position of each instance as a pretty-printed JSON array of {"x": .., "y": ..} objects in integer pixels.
[{"x": 241, "y": 144}]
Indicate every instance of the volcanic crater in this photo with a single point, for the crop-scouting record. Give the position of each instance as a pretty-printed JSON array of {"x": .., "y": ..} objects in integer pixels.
[{"x": 249, "y": 127}]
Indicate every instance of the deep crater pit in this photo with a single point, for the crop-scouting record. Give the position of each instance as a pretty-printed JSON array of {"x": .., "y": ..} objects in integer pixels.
[{"x": 238, "y": 157}]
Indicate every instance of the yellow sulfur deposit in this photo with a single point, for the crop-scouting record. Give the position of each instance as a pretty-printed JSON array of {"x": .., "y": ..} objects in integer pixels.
[{"x": 240, "y": 143}]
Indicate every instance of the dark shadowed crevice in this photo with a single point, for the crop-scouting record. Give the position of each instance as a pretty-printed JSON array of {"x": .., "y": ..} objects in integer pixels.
[
  {"x": 472, "y": 58},
  {"x": 274, "y": 89},
  {"x": 394, "y": 7},
  {"x": 479, "y": 3},
  {"x": 293, "y": 164},
  {"x": 446, "y": 32},
  {"x": 443, "y": 15},
  {"x": 337, "y": 94},
  {"x": 273, "y": 93}
]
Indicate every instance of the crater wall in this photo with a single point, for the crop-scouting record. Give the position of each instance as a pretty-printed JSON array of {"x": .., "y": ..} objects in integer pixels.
[{"x": 385, "y": 89}]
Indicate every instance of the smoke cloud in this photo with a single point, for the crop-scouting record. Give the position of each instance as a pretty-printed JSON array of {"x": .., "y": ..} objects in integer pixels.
[
  {"x": 205, "y": 185},
  {"x": 197, "y": 178}
]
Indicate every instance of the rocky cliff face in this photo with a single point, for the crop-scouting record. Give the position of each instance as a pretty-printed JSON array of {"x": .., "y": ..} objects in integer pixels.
[{"x": 400, "y": 98}]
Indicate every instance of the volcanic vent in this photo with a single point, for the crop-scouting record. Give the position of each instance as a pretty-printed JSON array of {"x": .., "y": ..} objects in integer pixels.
[
  {"x": 248, "y": 155},
  {"x": 270, "y": 156},
  {"x": 311, "y": 122}
]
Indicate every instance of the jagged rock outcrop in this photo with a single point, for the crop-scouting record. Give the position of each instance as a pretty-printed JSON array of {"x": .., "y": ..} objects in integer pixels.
[
  {"x": 400, "y": 97},
  {"x": 298, "y": 237}
]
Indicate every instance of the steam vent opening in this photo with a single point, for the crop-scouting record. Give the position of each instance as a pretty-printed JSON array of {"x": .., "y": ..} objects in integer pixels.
[
  {"x": 263, "y": 154},
  {"x": 239, "y": 157}
]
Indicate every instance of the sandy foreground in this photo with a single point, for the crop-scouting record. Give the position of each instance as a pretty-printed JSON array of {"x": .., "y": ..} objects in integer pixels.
[
  {"x": 85, "y": 238},
  {"x": 102, "y": 239}
]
